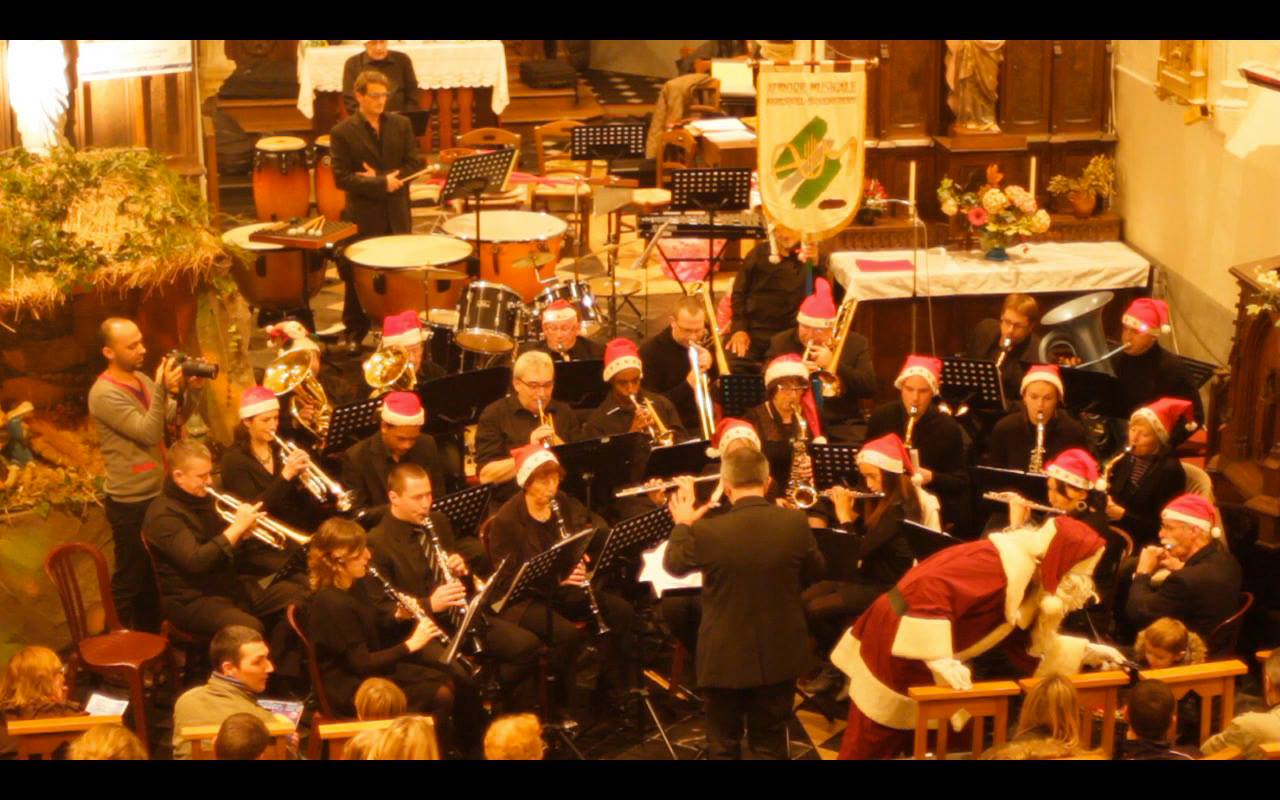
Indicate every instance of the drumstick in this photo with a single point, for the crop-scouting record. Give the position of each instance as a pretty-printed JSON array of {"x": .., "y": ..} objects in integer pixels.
[{"x": 417, "y": 174}]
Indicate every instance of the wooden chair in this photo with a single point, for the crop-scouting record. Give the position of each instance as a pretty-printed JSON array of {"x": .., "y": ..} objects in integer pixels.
[
  {"x": 675, "y": 151},
  {"x": 939, "y": 703},
  {"x": 334, "y": 736},
  {"x": 1095, "y": 690},
  {"x": 1198, "y": 482},
  {"x": 189, "y": 643},
  {"x": 551, "y": 142},
  {"x": 492, "y": 139},
  {"x": 41, "y": 738},
  {"x": 201, "y": 738},
  {"x": 1223, "y": 639},
  {"x": 324, "y": 714},
  {"x": 1208, "y": 680},
  {"x": 115, "y": 653},
  {"x": 1262, "y": 656}
]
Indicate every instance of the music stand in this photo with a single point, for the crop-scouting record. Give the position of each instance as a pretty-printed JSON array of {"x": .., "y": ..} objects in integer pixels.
[
  {"x": 607, "y": 142},
  {"x": 1086, "y": 391},
  {"x": 1031, "y": 485},
  {"x": 833, "y": 464},
  {"x": 637, "y": 533},
  {"x": 578, "y": 383},
  {"x": 925, "y": 541},
  {"x": 555, "y": 563},
  {"x": 712, "y": 191},
  {"x": 841, "y": 550},
  {"x": 471, "y": 177},
  {"x": 351, "y": 423},
  {"x": 455, "y": 401},
  {"x": 973, "y": 381},
  {"x": 738, "y": 393},
  {"x": 686, "y": 458},
  {"x": 598, "y": 466},
  {"x": 474, "y": 611},
  {"x": 465, "y": 508}
]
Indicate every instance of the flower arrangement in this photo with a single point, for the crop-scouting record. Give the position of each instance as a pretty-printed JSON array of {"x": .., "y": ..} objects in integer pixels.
[
  {"x": 1097, "y": 180},
  {"x": 1268, "y": 296},
  {"x": 1000, "y": 216},
  {"x": 875, "y": 197}
]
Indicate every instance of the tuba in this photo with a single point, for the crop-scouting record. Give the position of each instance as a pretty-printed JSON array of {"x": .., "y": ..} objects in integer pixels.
[
  {"x": 390, "y": 370},
  {"x": 291, "y": 372},
  {"x": 1077, "y": 332},
  {"x": 800, "y": 489},
  {"x": 831, "y": 385}
]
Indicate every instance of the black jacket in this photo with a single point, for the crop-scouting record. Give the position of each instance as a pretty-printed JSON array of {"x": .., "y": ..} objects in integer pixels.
[
  {"x": 398, "y": 68},
  {"x": 245, "y": 477},
  {"x": 984, "y": 343},
  {"x": 398, "y": 555},
  {"x": 366, "y": 465},
  {"x": 666, "y": 369},
  {"x": 884, "y": 555},
  {"x": 351, "y": 642},
  {"x": 192, "y": 557},
  {"x": 613, "y": 417},
  {"x": 1014, "y": 436},
  {"x": 1142, "y": 504},
  {"x": 369, "y": 205},
  {"x": 755, "y": 560},
  {"x": 1154, "y": 374},
  {"x": 1202, "y": 594},
  {"x": 583, "y": 349},
  {"x": 505, "y": 425},
  {"x": 775, "y": 440},
  {"x": 856, "y": 372},
  {"x": 940, "y": 441},
  {"x": 766, "y": 296}
]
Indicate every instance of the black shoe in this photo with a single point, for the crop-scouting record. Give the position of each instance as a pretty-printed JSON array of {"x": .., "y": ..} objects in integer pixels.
[{"x": 828, "y": 681}]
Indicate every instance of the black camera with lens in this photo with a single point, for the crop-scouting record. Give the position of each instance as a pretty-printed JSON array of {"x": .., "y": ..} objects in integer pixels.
[{"x": 193, "y": 367}]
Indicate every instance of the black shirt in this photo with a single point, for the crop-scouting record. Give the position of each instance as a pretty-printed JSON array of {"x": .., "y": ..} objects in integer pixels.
[
  {"x": 400, "y": 554},
  {"x": 350, "y": 641},
  {"x": 1014, "y": 437},
  {"x": 505, "y": 425},
  {"x": 1154, "y": 374},
  {"x": 884, "y": 555},
  {"x": 1149, "y": 750},
  {"x": 775, "y": 439},
  {"x": 766, "y": 296},
  {"x": 614, "y": 416},
  {"x": 402, "y": 91},
  {"x": 984, "y": 343},
  {"x": 192, "y": 557},
  {"x": 1142, "y": 502},
  {"x": 583, "y": 349},
  {"x": 366, "y": 465},
  {"x": 514, "y": 534},
  {"x": 244, "y": 476},
  {"x": 1202, "y": 594},
  {"x": 666, "y": 369},
  {"x": 855, "y": 370},
  {"x": 940, "y": 441}
]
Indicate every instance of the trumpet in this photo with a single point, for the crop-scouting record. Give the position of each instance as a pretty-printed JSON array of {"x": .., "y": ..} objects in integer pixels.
[
  {"x": 315, "y": 481},
  {"x": 661, "y": 435},
  {"x": 641, "y": 488},
  {"x": 1009, "y": 498},
  {"x": 913, "y": 414},
  {"x": 601, "y": 627},
  {"x": 547, "y": 422},
  {"x": 271, "y": 532},
  {"x": 1006, "y": 345},
  {"x": 390, "y": 370},
  {"x": 702, "y": 396}
]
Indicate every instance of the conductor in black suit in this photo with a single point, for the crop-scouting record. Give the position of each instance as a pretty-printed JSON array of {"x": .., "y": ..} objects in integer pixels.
[
  {"x": 372, "y": 151},
  {"x": 753, "y": 642}
]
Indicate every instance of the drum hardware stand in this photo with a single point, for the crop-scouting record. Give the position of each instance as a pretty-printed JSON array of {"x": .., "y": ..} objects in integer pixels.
[
  {"x": 709, "y": 190},
  {"x": 641, "y": 263}
]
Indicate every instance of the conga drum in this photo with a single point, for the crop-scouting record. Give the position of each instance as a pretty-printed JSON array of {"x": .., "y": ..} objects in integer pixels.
[
  {"x": 281, "y": 181},
  {"x": 517, "y": 248},
  {"x": 274, "y": 279},
  {"x": 330, "y": 200},
  {"x": 391, "y": 272}
]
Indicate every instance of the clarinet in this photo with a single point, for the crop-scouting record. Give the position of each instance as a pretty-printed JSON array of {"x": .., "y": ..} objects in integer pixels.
[
  {"x": 444, "y": 575},
  {"x": 601, "y": 627},
  {"x": 406, "y": 602}
]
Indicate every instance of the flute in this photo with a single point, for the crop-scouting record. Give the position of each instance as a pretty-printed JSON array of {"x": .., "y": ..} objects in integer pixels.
[
  {"x": 642, "y": 488},
  {"x": 1010, "y": 498}
]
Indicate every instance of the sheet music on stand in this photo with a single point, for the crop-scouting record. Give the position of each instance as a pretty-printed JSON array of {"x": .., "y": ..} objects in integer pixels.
[
  {"x": 579, "y": 384},
  {"x": 737, "y": 393},
  {"x": 655, "y": 574},
  {"x": 551, "y": 565},
  {"x": 474, "y": 608},
  {"x": 840, "y": 549},
  {"x": 465, "y": 508},
  {"x": 719, "y": 189},
  {"x": 925, "y": 541},
  {"x": 478, "y": 174},
  {"x": 833, "y": 464},
  {"x": 637, "y": 533},
  {"x": 457, "y": 400},
  {"x": 351, "y": 423},
  {"x": 973, "y": 381},
  {"x": 607, "y": 142}
]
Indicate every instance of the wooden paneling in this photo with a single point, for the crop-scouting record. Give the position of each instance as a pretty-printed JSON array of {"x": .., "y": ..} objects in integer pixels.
[
  {"x": 1079, "y": 85},
  {"x": 8, "y": 131},
  {"x": 1025, "y": 86},
  {"x": 910, "y": 75},
  {"x": 862, "y": 48}
]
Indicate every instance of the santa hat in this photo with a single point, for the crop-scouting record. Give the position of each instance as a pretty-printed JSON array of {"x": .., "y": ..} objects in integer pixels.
[
  {"x": 818, "y": 309},
  {"x": 291, "y": 335},
  {"x": 621, "y": 354},
  {"x": 403, "y": 408},
  {"x": 889, "y": 454},
  {"x": 529, "y": 458},
  {"x": 1167, "y": 416},
  {"x": 926, "y": 367},
  {"x": 560, "y": 311},
  {"x": 402, "y": 330},
  {"x": 1044, "y": 373},
  {"x": 1147, "y": 315},
  {"x": 792, "y": 365},
  {"x": 257, "y": 400},
  {"x": 1193, "y": 510},
  {"x": 1077, "y": 468},
  {"x": 1074, "y": 544},
  {"x": 729, "y": 429}
]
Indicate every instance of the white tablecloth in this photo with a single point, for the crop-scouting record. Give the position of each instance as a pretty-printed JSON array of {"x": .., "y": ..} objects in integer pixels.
[
  {"x": 1049, "y": 267},
  {"x": 437, "y": 65}
]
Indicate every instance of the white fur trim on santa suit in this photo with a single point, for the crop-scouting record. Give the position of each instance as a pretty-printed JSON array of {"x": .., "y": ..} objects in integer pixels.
[
  {"x": 815, "y": 322},
  {"x": 880, "y": 703},
  {"x": 619, "y": 364},
  {"x": 1069, "y": 478},
  {"x": 532, "y": 463},
  {"x": 922, "y": 639},
  {"x": 260, "y": 407},
  {"x": 917, "y": 372},
  {"x": 780, "y": 369}
]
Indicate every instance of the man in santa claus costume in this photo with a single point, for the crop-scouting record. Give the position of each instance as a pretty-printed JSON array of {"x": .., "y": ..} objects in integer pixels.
[{"x": 1014, "y": 589}]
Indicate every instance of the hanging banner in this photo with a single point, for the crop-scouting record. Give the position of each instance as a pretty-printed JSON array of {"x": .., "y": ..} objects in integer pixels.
[{"x": 811, "y": 130}]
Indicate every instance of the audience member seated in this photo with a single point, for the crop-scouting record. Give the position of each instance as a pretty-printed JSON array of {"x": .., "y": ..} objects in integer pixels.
[
  {"x": 1051, "y": 710},
  {"x": 1029, "y": 750},
  {"x": 1150, "y": 475},
  {"x": 379, "y": 698},
  {"x": 241, "y": 737},
  {"x": 33, "y": 687},
  {"x": 1203, "y": 585},
  {"x": 359, "y": 746},
  {"x": 1167, "y": 643},
  {"x": 407, "y": 739},
  {"x": 1150, "y": 715},
  {"x": 1247, "y": 731},
  {"x": 241, "y": 665},
  {"x": 107, "y": 743},
  {"x": 515, "y": 737}
]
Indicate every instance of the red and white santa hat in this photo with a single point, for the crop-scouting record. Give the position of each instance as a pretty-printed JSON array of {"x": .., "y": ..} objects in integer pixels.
[
  {"x": 926, "y": 367},
  {"x": 1073, "y": 546},
  {"x": 257, "y": 400},
  {"x": 1147, "y": 315},
  {"x": 818, "y": 309},
  {"x": 792, "y": 365},
  {"x": 1075, "y": 467},
  {"x": 889, "y": 453},
  {"x": 291, "y": 335},
  {"x": 559, "y": 311},
  {"x": 529, "y": 458},
  {"x": 1193, "y": 510},
  {"x": 1165, "y": 415},
  {"x": 620, "y": 354},
  {"x": 402, "y": 330},
  {"x": 1044, "y": 373},
  {"x": 731, "y": 428},
  {"x": 403, "y": 408}
]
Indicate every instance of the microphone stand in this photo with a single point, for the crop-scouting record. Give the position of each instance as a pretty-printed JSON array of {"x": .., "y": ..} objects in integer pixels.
[{"x": 917, "y": 225}]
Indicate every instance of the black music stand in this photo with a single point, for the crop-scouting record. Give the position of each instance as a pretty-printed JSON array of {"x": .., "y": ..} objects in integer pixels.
[
  {"x": 598, "y": 466},
  {"x": 738, "y": 393},
  {"x": 455, "y": 401},
  {"x": 925, "y": 541},
  {"x": 470, "y": 177},
  {"x": 552, "y": 565},
  {"x": 712, "y": 191},
  {"x": 607, "y": 142},
  {"x": 686, "y": 458},
  {"x": 1089, "y": 392},
  {"x": 465, "y": 508},
  {"x": 420, "y": 120},
  {"x": 351, "y": 423},
  {"x": 973, "y": 381},
  {"x": 833, "y": 464},
  {"x": 637, "y": 533},
  {"x": 578, "y": 383},
  {"x": 1031, "y": 485},
  {"x": 475, "y": 612},
  {"x": 841, "y": 550}
]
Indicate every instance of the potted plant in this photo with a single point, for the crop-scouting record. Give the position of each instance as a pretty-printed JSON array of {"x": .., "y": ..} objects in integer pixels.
[
  {"x": 998, "y": 216},
  {"x": 1097, "y": 180},
  {"x": 874, "y": 202}
]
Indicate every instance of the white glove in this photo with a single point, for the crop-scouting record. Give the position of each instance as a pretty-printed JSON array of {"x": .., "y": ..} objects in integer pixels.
[
  {"x": 951, "y": 672},
  {"x": 1102, "y": 656}
]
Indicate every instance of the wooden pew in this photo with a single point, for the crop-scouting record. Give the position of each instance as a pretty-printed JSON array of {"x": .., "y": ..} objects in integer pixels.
[
  {"x": 1213, "y": 679},
  {"x": 40, "y": 738},
  {"x": 201, "y": 738},
  {"x": 1232, "y": 753},
  {"x": 939, "y": 703},
  {"x": 1263, "y": 655},
  {"x": 1271, "y": 750},
  {"x": 1096, "y": 690},
  {"x": 335, "y": 735}
]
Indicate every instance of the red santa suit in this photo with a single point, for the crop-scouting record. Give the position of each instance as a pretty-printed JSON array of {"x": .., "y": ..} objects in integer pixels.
[{"x": 958, "y": 604}]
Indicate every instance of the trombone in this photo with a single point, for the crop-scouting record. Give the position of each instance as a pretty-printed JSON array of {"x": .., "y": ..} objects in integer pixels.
[
  {"x": 390, "y": 370},
  {"x": 291, "y": 372},
  {"x": 832, "y": 386},
  {"x": 314, "y": 479},
  {"x": 661, "y": 435},
  {"x": 702, "y": 396},
  {"x": 271, "y": 532}
]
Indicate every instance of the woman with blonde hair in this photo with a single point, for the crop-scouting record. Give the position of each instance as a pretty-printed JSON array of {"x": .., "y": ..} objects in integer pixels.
[
  {"x": 33, "y": 686},
  {"x": 107, "y": 743},
  {"x": 515, "y": 737},
  {"x": 359, "y": 746},
  {"x": 407, "y": 739},
  {"x": 1051, "y": 711},
  {"x": 379, "y": 698}
]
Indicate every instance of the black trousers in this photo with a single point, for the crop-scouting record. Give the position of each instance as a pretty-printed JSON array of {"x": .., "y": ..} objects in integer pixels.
[
  {"x": 133, "y": 584},
  {"x": 353, "y": 314},
  {"x": 255, "y": 608},
  {"x": 764, "y": 709},
  {"x": 683, "y": 615},
  {"x": 517, "y": 651}
]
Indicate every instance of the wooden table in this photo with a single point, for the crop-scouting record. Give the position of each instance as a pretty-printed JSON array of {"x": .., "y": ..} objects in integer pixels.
[{"x": 726, "y": 154}]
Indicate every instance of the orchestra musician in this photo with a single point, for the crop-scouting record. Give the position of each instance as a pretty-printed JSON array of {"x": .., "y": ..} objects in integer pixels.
[
  {"x": 290, "y": 336},
  {"x": 753, "y": 642},
  {"x": 406, "y": 330},
  {"x": 935, "y": 437},
  {"x": 396, "y": 67},
  {"x": 624, "y": 372},
  {"x": 1014, "y": 437},
  {"x": 561, "y": 335},
  {"x": 788, "y": 396},
  {"x": 814, "y": 334},
  {"x": 666, "y": 358},
  {"x": 1076, "y": 488},
  {"x": 1145, "y": 479},
  {"x": 404, "y": 554},
  {"x": 529, "y": 523},
  {"x": 354, "y": 640},
  {"x": 518, "y": 419},
  {"x": 1146, "y": 370},
  {"x": 1014, "y": 334},
  {"x": 767, "y": 293}
]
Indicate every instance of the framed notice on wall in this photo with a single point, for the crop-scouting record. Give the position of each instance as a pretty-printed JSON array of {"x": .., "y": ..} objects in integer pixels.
[{"x": 104, "y": 59}]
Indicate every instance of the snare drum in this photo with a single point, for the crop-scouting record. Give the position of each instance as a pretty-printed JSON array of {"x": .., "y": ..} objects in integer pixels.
[
  {"x": 509, "y": 237},
  {"x": 330, "y": 200},
  {"x": 490, "y": 319},
  {"x": 390, "y": 271},
  {"x": 578, "y": 294},
  {"x": 275, "y": 281},
  {"x": 281, "y": 182}
]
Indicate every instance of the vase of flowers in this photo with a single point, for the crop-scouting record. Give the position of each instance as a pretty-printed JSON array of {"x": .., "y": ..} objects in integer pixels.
[
  {"x": 999, "y": 216},
  {"x": 1268, "y": 296},
  {"x": 874, "y": 203},
  {"x": 1097, "y": 180}
]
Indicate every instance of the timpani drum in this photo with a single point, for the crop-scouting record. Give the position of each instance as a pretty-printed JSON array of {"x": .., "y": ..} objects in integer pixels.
[
  {"x": 391, "y": 272},
  {"x": 518, "y": 248},
  {"x": 281, "y": 181},
  {"x": 490, "y": 319},
  {"x": 275, "y": 279},
  {"x": 578, "y": 294},
  {"x": 330, "y": 200}
]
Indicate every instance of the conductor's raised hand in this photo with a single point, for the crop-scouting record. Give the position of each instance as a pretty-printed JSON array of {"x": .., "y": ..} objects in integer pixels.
[{"x": 683, "y": 503}]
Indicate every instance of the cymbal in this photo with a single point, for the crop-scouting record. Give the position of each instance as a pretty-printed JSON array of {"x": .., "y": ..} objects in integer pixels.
[{"x": 534, "y": 261}]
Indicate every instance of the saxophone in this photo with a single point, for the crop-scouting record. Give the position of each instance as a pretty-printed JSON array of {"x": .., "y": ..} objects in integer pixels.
[
  {"x": 1036, "y": 463},
  {"x": 1111, "y": 463},
  {"x": 800, "y": 489},
  {"x": 913, "y": 414}
]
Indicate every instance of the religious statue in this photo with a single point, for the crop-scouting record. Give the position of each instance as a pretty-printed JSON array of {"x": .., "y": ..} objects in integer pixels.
[
  {"x": 973, "y": 73},
  {"x": 39, "y": 92}
]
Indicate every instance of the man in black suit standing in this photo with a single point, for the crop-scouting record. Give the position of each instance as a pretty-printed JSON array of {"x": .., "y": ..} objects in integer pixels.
[
  {"x": 372, "y": 151},
  {"x": 753, "y": 641}
]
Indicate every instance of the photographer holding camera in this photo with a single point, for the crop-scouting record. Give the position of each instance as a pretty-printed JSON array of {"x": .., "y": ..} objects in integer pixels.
[{"x": 131, "y": 411}]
